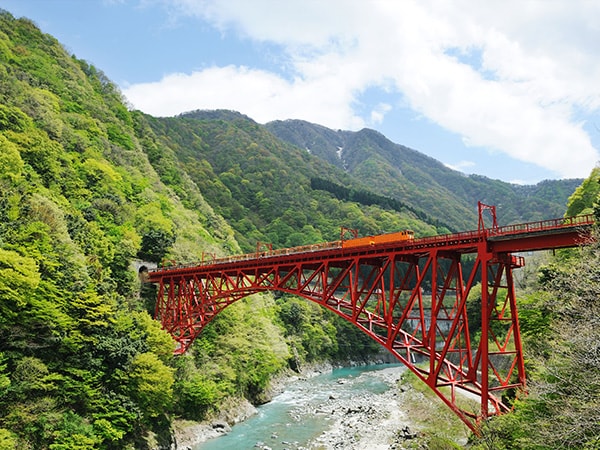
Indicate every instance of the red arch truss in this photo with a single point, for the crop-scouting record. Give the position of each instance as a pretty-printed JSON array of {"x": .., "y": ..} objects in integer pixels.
[{"x": 409, "y": 296}]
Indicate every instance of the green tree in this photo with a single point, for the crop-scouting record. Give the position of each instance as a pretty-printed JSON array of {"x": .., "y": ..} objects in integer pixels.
[
  {"x": 149, "y": 382},
  {"x": 584, "y": 197},
  {"x": 74, "y": 433},
  {"x": 4, "y": 378},
  {"x": 155, "y": 245},
  {"x": 18, "y": 278},
  {"x": 11, "y": 164},
  {"x": 8, "y": 440},
  {"x": 196, "y": 396}
]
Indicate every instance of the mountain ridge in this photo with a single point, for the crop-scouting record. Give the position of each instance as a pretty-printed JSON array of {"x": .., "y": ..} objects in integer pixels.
[
  {"x": 401, "y": 172},
  {"x": 371, "y": 162}
]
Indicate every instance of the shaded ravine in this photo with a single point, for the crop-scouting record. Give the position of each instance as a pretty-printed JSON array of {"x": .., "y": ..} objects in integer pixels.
[{"x": 348, "y": 408}]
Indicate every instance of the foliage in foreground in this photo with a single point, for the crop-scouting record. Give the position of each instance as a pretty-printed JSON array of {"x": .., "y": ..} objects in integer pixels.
[{"x": 436, "y": 426}]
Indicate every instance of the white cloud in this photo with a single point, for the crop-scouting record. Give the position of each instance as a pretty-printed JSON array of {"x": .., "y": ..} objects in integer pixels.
[
  {"x": 519, "y": 181},
  {"x": 523, "y": 69},
  {"x": 461, "y": 165},
  {"x": 261, "y": 95},
  {"x": 378, "y": 113}
]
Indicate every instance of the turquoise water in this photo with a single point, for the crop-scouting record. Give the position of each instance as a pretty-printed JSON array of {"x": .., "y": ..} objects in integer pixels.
[{"x": 298, "y": 415}]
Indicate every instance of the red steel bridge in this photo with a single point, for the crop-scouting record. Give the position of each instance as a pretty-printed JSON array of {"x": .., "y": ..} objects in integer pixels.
[{"x": 409, "y": 295}]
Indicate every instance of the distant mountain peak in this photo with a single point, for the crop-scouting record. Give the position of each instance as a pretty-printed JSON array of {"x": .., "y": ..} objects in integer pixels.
[
  {"x": 419, "y": 180},
  {"x": 215, "y": 114}
]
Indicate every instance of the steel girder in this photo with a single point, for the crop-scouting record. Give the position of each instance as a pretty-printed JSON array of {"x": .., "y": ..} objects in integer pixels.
[{"x": 422, "y": 306}]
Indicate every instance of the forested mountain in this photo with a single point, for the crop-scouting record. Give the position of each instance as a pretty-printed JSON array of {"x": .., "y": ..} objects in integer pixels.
[
  {"x": 422, "y": 182},
  {"x": 82, "y": 364},
  {"x": 90, "y": 190},
  {"x": 264, "y": 187},
  {"x": 275, "y": 191}
]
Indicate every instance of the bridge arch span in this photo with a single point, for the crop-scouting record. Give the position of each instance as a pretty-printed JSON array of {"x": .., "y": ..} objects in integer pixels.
[
  {"x": 384, "y": 294},
  {"x": 408, "y": 295}
]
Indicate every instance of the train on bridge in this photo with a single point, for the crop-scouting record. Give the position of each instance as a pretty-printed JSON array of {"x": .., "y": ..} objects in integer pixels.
[{"x": 406, "y": 235}]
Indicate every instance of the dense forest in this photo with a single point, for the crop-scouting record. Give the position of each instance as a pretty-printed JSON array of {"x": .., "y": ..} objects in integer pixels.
[
  {"x": 82, "y": 363},
  {"x": 89, "y": 190}
]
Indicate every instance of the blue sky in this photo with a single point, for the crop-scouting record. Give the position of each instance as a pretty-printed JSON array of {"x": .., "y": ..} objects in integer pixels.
[{"x": 509, "y": 89}]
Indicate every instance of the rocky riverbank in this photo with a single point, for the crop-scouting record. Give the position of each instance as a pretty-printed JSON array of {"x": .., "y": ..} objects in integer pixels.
[
  {"x": 369, "y": 421},
  {"x": 188, "y": 434},
  {"x": 365, "y": 421}
]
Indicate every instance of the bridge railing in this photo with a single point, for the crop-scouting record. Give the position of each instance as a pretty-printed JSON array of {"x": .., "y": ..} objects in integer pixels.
[
  {"x": 444, "y": 238},
  {"x": 543, "y": 225},
  {"x": 256, "y": 255}
]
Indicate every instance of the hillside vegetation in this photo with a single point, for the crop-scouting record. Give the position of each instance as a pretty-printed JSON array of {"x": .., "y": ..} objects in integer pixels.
[
  {"x": 82, "y": 363},
  {"x": 89, "y": 191},
  {"x": 276, "y": 191},
  {"x": 261, "y": 185}
]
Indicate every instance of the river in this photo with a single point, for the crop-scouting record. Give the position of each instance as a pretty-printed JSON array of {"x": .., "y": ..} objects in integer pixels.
[{"x": 347, "y": 408}]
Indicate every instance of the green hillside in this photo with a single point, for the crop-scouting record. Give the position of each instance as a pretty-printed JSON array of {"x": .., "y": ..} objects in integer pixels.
[
  {"x": 82, "y": 363},
  {"x": 261, "y": 185}
]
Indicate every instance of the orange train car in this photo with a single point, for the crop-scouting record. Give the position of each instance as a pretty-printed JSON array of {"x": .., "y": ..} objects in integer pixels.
[{"x": 398, "y": 236}]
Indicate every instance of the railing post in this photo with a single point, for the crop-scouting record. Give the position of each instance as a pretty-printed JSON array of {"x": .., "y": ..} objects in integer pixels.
[{"x": 485, "y": 323}]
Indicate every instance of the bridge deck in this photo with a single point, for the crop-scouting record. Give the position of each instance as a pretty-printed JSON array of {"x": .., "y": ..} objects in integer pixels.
[{"x": 531, "y": 236}]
